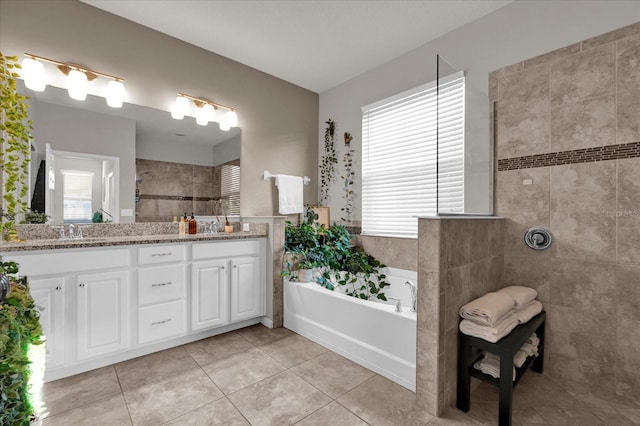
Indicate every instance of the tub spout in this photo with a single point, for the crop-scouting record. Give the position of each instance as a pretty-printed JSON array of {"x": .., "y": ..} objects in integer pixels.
[
  {"x": 398, "y": 304},
  {"x": 414, "y": 295}
]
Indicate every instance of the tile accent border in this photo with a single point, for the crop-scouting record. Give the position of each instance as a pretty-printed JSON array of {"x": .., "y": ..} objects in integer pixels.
[
  {"x": 176, "y": 198},
  {"x": 585, "y": 155}
]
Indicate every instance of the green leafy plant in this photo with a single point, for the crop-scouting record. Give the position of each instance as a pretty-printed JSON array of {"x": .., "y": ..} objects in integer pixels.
[
  {"x": 347, "y": 176},
  {"x": 330, "y": 250},
  {"x": 329, "y": 160},
  {"x": 19, "y": 328},
  {"x": 15, "y": 148},
  {"x": 34, "y": 216}
]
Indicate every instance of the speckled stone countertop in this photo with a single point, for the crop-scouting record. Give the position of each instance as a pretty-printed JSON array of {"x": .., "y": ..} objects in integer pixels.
[{"x": 43, "y": 237}]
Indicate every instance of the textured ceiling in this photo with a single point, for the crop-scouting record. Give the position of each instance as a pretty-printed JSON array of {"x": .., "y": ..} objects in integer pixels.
[{"x": 314, "y": 44}]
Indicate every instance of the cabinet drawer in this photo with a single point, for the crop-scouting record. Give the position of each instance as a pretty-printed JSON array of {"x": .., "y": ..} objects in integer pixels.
[
  {"x": 161, "y": 321},
  {"x": 52, "y": 262},
  {"x": 160, "y": 254},
  {"x": 225, "y": 249},
  {"x": 161, "y": 284}
]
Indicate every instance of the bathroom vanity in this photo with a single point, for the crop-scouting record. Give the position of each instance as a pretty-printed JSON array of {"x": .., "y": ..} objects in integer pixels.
[{"x": 107, "y": 300}]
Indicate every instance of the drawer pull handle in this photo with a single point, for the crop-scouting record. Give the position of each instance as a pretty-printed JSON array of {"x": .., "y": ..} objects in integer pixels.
[
  {"x": 161, "y": 284},
  {"x": 161, "y": 322},
  {"x": 161, "y": 254}
]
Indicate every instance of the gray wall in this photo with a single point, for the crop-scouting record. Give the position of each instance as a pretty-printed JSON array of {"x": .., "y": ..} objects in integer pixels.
[
  {"x": 520, "y": 30},
  {"x": 278, "y": 120},
  {"x": 163, "y": 150},
  {"x": 76, "y": 130}
]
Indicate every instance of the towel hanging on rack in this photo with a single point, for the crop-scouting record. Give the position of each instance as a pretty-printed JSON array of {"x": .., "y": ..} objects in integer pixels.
[{"x": 290, "y": 194}]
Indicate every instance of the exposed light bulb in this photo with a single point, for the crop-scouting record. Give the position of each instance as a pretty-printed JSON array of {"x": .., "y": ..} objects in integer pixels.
[
  {"x": 201, "y": 117},
  {"x": 224, "y": 124},
  {"x": 180, "y": 108},
  {"x": 78, "y": 85},
  {"x": 210, "y": 112},
  {"x": 115, "y": 94},
  {"x": 33, "y": 74},
  {"x": 232, "y": 118}
]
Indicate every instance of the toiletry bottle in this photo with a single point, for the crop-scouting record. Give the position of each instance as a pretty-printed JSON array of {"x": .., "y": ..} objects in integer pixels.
[
  {"x": 193, "y": 225},
  {"x": 181, "y": 225},
  {"x": 227, "y": 226}
]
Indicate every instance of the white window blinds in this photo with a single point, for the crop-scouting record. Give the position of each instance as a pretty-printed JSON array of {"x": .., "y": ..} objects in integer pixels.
[
  {"x": 77, "y": 195},
  {"x": 405, "y": 148},
  {"x": 231, "y": 188}
]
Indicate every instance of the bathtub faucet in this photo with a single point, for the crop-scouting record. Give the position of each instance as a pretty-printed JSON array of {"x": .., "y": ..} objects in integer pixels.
[
  {"x": 414, "y": 295},
  {"x": 398, "y": 304}
]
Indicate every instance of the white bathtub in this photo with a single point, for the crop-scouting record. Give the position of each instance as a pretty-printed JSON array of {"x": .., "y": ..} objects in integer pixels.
[{"x": 368, "y": 333}]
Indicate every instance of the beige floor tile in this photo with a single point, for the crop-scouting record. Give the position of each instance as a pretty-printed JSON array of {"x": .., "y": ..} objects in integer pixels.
[
  {"x": 379, "y": 401},
  {"x": 259, "y": 334},
  {"x": 279, "y": 400},
  {"x": 570, "y": 416},
  {"x": 332, "y": 373},
  {"x": 453, "y": 417},
  {"x": 218, "y": 413},
  {"x": 614, "y": 416},
  {"x": 632, "y": 414},
  {"x": 527, "y": 415},
  {"x": 81, "y": 389},
  {"x": 293, "y": 350},
  {"x": 332, "y": 414},
  {"x": 242, "y": 369},
  {"x": 217, "y": 347},
  {"x": 157, "y": 366},
  {"x": 167, "y": 399},
  {"x": 111, "y": 412}
]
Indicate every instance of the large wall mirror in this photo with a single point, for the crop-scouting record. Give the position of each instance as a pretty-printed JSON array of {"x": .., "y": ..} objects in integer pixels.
[{"x": 128, "y": 164}]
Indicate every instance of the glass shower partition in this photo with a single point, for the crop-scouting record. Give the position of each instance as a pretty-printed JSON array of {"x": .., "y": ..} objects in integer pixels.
[{"x": 464, "y": 183}]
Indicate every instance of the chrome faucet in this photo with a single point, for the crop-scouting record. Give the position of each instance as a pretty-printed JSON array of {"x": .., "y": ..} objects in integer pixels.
[
  {"x": 414, "y": 295},
  {"x": 72, "y": 234},
  {"x": 398, "y": 303}
]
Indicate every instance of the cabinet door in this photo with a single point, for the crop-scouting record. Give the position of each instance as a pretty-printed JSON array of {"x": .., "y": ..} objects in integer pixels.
[
  {"x": 208, "y": 294},
  {"x": 245, "y": 288},
  {"x": 48, "y": 295},
  {"x": 103, "y": 313}
]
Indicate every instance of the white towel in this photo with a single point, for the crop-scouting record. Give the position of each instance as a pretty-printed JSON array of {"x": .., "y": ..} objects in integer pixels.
[
  {"x": 290, "y": 194},
  {"x": 490, "y": 364},
  {"x": 529, "y": 349},
  {"x": 488, "y": 309},
  {"x": 529, "y": 311},
  {"x": 490, "y": 334},
  {"x": 521, "y": 295},
  {"x": 519, "y": 358}
]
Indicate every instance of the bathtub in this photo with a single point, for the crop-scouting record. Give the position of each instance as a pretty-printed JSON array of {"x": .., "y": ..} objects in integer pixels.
[{"x": 369, "y": 333}]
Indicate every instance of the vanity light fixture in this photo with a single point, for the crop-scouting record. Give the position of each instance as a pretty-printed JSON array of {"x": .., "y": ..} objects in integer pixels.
[
  {"x": 78, "y": 79},
  {"x": 206, "y": 111}
]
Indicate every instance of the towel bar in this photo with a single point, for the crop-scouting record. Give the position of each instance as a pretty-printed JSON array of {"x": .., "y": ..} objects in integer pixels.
[{"x": 267, "y": 175}]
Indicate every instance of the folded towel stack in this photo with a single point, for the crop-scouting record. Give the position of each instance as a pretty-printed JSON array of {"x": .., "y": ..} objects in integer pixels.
[
  {"x": 494, "y": 315},
  {"x": 490, "y": 363}
]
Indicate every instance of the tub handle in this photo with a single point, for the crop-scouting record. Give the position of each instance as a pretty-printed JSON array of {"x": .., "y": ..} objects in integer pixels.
[{"x": 398, "y": 303}]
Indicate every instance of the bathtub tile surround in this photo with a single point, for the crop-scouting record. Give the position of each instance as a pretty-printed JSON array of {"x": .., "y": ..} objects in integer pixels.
[
  {"x": 579, "y": 176},
  {"x": 460, "y": 259}
]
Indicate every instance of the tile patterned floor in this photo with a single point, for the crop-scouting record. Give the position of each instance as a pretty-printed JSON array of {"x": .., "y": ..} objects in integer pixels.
[{"x": 257, "y": 376}]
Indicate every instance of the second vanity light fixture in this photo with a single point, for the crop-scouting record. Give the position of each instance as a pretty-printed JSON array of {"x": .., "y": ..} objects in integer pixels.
[
  {"x": 206, "y": 111},
  {"x": 78, "y": 78}
]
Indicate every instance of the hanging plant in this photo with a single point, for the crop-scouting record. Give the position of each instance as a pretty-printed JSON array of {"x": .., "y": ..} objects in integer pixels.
[
  {"x": 15, "y": 137},
  {"x": 329, "y": 160},
  {"x": 347, "y": 176}
]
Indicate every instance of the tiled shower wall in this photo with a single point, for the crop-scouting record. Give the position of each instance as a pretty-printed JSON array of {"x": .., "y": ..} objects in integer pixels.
[
  {"x": 459, "y": 259},
  {"x": 171, "y": 189},
  {"x": 567, "y": 135}
]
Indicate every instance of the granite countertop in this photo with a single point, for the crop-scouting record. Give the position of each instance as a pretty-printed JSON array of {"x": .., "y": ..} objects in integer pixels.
[{"x": 102, "y": 241}]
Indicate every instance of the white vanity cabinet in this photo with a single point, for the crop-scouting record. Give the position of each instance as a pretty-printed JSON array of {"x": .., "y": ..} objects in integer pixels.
[
  {"x": 161, "y": 292},
  {"x": 49, "y": 297},
  {"x": 102, "y": 304},
  {"x": 227, "y": 282}
]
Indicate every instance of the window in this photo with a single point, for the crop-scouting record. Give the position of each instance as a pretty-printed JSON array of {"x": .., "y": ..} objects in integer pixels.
[
  {"x": 77, "y": 195},
  {"x": 231, "y": 188},
  {"x": 405, "y": 150}
]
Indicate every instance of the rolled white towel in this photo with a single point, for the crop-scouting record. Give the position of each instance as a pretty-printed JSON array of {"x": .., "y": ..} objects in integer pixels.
[
  {"x": 490, "y": 334},
  {"x": 529, "y": 311},
  {"x": 521, "y": 295},
  {"x": 529, "y": 349},
  {"x": 488, "y": 309},
  {"x": 519, "y": 358}
]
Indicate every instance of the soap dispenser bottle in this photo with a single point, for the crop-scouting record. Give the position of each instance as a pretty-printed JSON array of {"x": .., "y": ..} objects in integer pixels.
[
  {"x": 181, "y": 225},
  {"x": 193, "y": 225}
]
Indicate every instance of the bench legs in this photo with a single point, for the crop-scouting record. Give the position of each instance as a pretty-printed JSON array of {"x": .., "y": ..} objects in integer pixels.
[{"x": 506, "y": 391}]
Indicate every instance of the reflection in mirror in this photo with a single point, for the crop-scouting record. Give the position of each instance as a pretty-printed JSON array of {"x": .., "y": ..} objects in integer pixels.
[{"x": 172, "y": 166}]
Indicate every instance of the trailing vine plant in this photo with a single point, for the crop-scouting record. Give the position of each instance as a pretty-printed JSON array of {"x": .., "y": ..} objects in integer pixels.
[
  {"x": 15, "y": 136},
  {"x": 347, "y": 176},
  {"x": 329, "y": 160}
]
